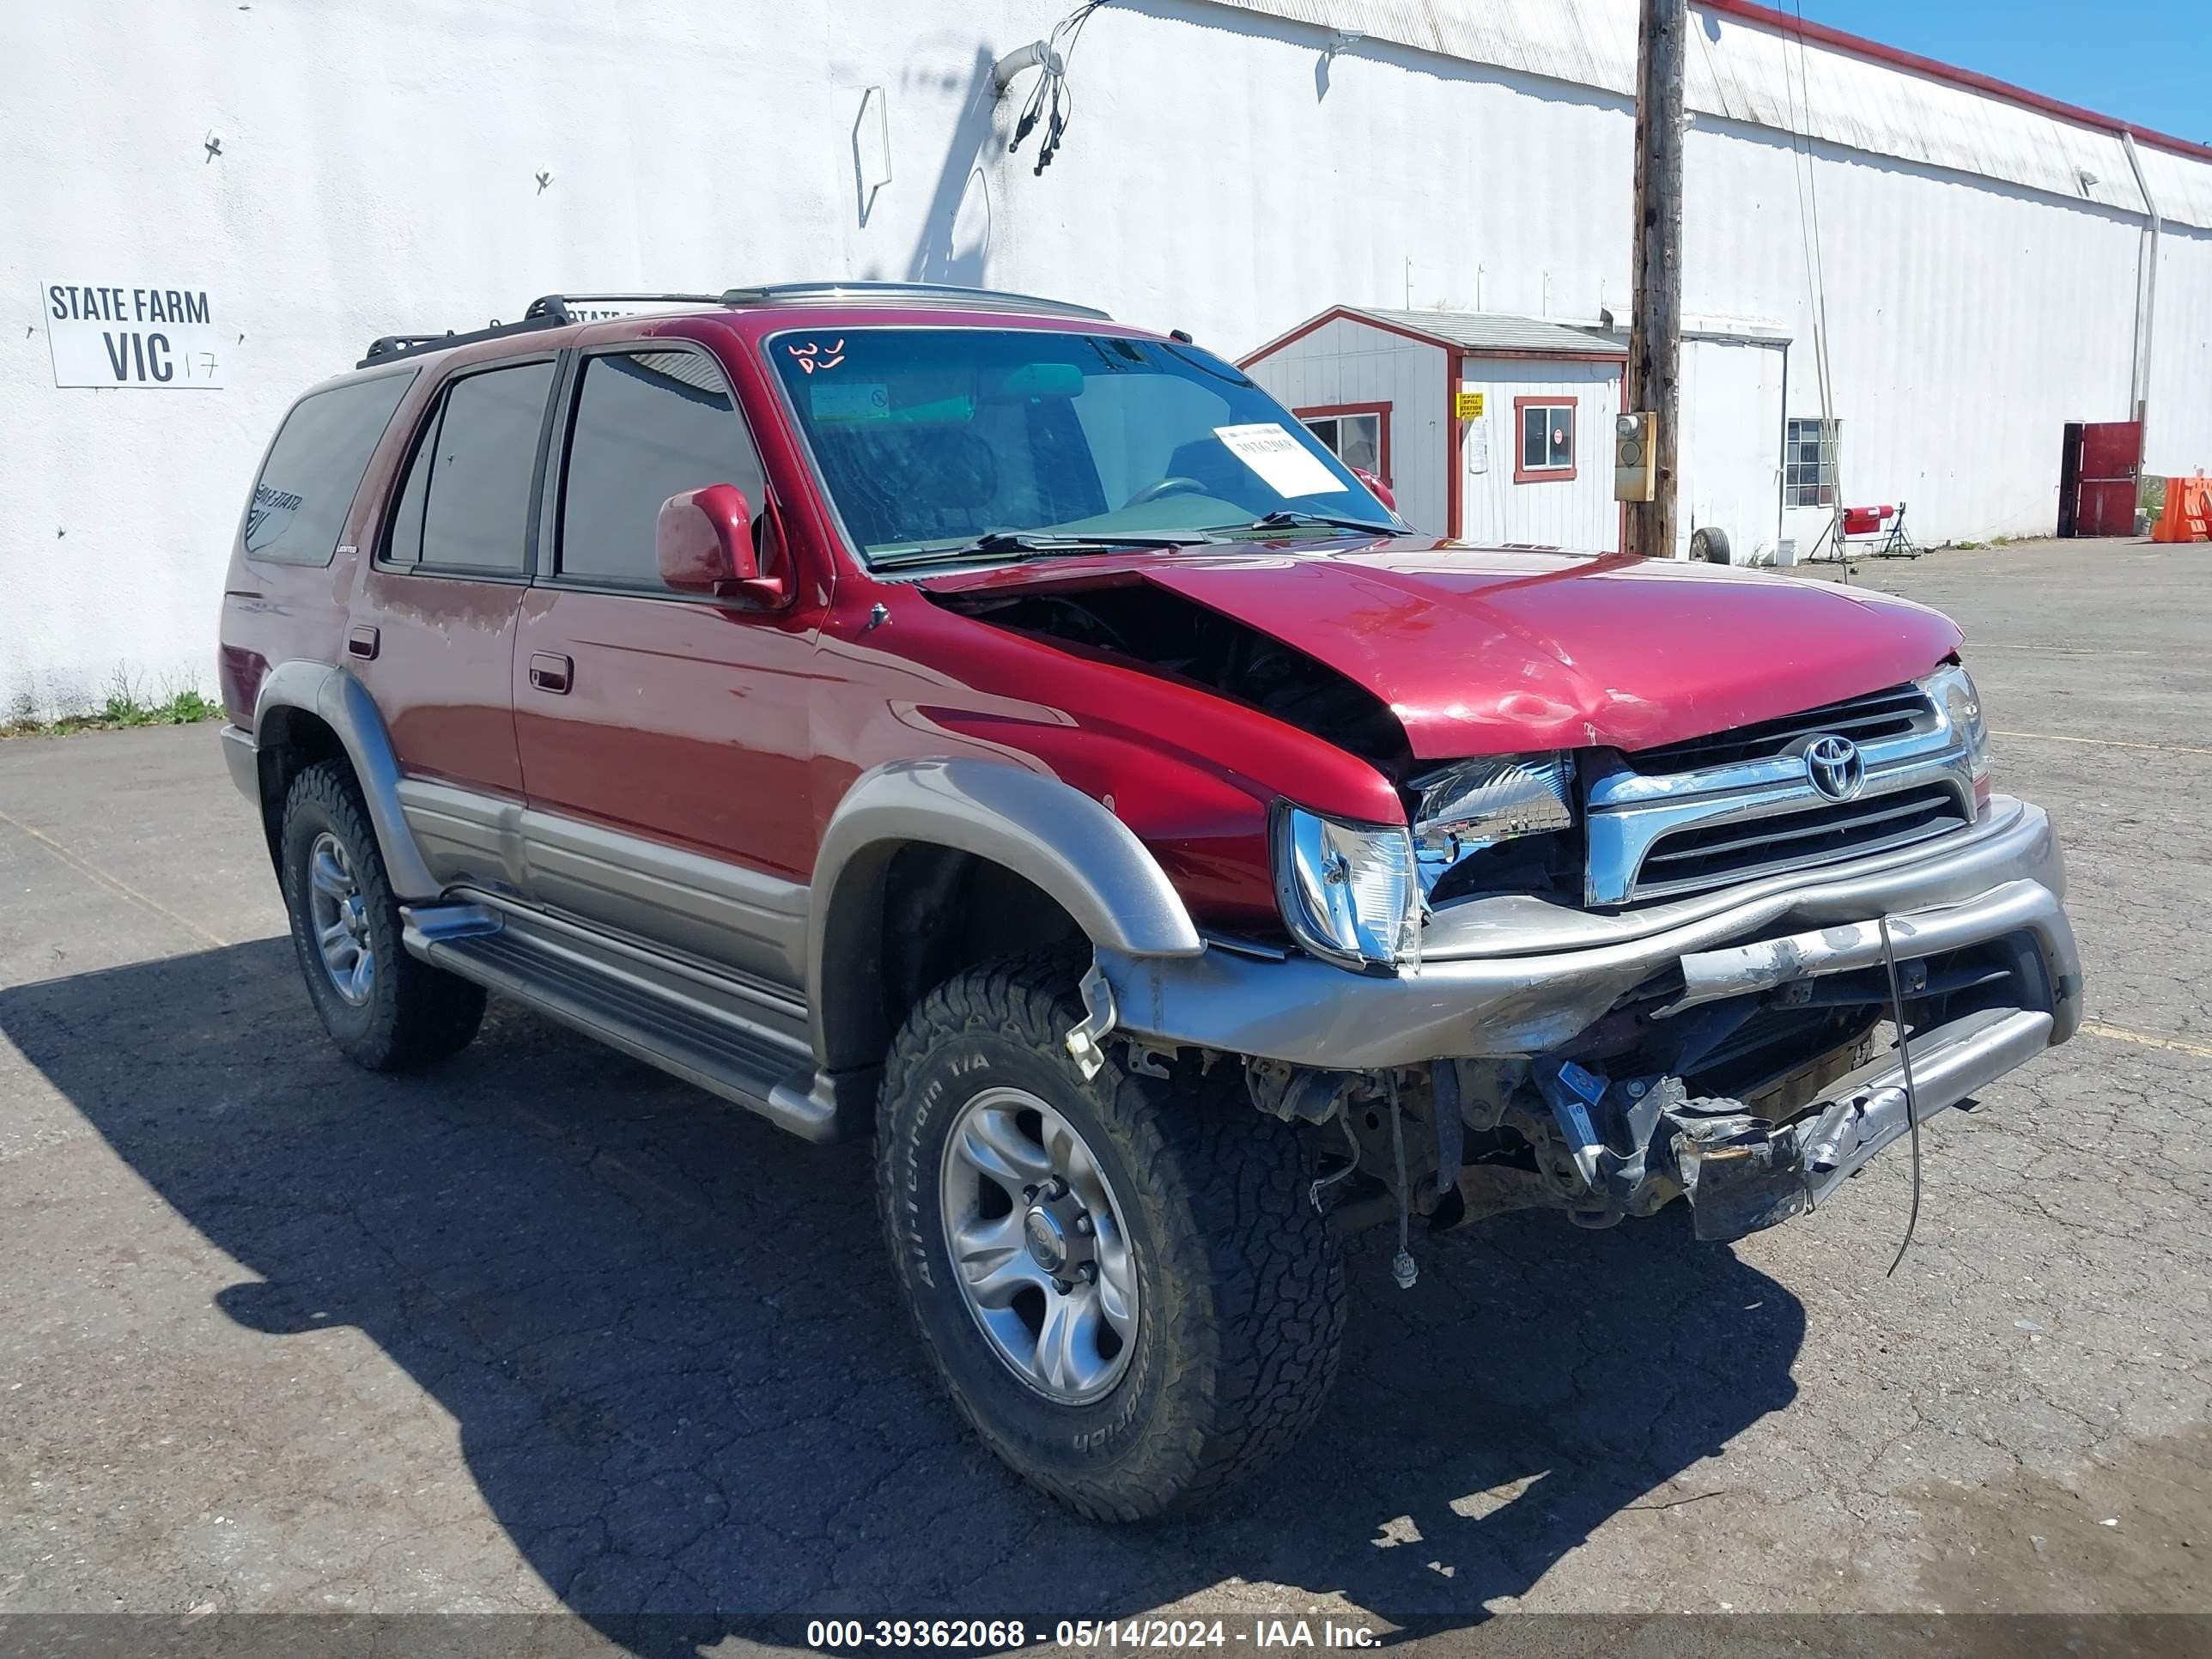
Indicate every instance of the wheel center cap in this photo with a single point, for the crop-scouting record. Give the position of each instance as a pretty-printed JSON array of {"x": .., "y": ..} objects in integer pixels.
[{"x": 1042, "y": 1231}]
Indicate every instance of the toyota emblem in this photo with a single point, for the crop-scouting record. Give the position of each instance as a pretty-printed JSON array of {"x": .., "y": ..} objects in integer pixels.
[{"x": 1835, "y": 767}]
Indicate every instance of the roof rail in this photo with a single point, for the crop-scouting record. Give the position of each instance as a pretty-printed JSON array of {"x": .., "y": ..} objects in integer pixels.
[
  {"x": 389, "y": 348},
  {"x": 559, "y": 310},
  {"x": 942, "y": 294},
  {"x": 562, "y": 306}
]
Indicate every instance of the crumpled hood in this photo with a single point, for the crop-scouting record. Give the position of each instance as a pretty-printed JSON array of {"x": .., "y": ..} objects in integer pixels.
[{"x": 1481, "y": 651}]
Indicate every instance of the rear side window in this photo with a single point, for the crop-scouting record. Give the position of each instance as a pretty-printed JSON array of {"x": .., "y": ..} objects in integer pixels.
[
  {"x": 315, "y": 466},
  {"x": 649, "y": 425},
  {"x": 466, "y": 503}
]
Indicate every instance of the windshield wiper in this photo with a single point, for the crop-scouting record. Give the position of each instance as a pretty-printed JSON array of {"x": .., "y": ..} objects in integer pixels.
[
  {"x": 1029, "y": 544},
  {"x": 1287, "y": 519}
]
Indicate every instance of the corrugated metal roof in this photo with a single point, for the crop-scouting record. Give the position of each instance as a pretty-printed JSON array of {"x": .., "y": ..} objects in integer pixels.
[
  {"x": 1484, "y": 330},
  {"x": 1750, "y": 67}
]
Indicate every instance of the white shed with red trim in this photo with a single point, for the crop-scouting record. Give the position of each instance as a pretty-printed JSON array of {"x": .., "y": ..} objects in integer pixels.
[{"x": 1402, "y": 388}]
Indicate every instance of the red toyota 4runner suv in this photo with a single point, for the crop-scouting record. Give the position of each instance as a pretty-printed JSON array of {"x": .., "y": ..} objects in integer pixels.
[{"x": 960, "y": 718}]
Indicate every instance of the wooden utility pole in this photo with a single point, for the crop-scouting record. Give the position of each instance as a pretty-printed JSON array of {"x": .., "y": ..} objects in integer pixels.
[{"x": 1655, "y": 335}]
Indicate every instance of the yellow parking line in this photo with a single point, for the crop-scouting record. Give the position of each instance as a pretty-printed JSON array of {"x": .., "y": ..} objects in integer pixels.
[
  {"x": 2121, "y": 1034},
  {"x": 2106, "y": 743},
  {"x": 93, "y": 873}
]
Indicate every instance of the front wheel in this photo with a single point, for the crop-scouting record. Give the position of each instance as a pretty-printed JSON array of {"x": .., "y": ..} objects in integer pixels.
[
  {"x": 385, "y": 1009},
  {"x": 1122, "y": 1280}
]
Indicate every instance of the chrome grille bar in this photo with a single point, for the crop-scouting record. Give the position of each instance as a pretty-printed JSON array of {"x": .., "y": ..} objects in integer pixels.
[
  {"x": 1694, "y": 859},
  {"x": 1868, "y": 718}
]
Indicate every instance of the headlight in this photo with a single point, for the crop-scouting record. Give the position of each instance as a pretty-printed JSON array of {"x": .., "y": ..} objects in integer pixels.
[
  {"x": 1952, "y": 687},
  {"x": 1477, "y": 804},
  {"x": 1347, "y": 890}
]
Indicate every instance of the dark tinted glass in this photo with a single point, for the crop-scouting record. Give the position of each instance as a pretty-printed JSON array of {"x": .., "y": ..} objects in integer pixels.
[
  {"x": 478, "y": 514},
  {"x": 404, "y": 542},
  {"x": 300, "y": 502},
  {"x": 649, "y": 425}
]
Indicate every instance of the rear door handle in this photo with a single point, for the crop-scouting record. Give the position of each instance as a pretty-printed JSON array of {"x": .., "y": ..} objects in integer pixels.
[
  {"x": 361, "y": 641},
  {"x": 551, "y": 671}
]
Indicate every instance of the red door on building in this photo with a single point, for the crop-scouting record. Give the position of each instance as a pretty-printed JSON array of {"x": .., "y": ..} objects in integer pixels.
[{"x": 2097, "y": 477}]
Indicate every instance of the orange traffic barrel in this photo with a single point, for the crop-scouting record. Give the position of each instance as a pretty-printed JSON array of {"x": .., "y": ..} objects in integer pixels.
[{"x": 2188, "y": 514}]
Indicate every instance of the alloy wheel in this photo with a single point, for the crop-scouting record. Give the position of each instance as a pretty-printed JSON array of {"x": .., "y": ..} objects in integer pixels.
[{"x": 1039, "y": 1250}]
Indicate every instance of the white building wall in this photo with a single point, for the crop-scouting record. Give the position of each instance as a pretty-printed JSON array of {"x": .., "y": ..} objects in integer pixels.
[
  {"x": 379, "y": 169},
  {"x": 1344, "y": 361},
  {"x": 1577, "y": 512},
  {"x": 2177, "y": 438}
]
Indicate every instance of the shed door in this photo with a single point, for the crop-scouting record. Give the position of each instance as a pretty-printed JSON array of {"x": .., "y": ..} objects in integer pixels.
[{"x": 1537, "y": 463}]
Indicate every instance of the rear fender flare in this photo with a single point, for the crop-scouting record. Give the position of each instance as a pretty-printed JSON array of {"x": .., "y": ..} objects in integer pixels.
[
  {"x": 1050, "y": 834},
  {"x": 343, "y": 704}
]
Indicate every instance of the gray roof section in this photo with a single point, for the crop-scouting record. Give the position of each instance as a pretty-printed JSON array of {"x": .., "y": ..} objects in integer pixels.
[{"x": 1482, "y": 331}]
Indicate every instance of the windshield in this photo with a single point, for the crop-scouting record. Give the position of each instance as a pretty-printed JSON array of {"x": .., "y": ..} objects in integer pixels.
[{"x": 936, "y": 439}]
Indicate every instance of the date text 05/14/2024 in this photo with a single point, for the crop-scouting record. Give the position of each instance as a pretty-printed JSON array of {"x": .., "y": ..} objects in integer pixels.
[{"x": 1088, "y": 1635}]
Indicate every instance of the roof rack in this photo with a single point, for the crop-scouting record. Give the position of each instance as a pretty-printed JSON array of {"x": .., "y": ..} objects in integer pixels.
[
  {"x": 559, "y": 310},
  {"x": 563, "y": 306},
  {"x": 943, "y": 295}
]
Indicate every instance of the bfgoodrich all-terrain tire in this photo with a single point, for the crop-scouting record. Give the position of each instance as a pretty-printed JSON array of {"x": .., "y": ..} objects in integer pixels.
[
  {"x": 1122, "y": 1279},
  {"x": 385, "y": 1009}
]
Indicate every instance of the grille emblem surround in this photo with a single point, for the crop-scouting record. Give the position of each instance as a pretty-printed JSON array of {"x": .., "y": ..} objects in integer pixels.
[{"x": 1835, "y": 766}]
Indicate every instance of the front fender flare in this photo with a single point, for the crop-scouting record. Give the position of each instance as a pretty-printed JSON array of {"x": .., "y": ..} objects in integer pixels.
[
  {"x": 343, "y": 704},
  {"x": 1051, "y": 835}
]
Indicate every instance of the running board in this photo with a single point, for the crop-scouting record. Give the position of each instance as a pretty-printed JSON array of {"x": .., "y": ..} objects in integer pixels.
[{"x": 666, "y": 1012}]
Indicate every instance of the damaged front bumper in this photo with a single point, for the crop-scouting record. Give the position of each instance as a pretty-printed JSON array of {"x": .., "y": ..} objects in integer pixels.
[
  {"x": 1742, "y": 1173},
  {"x": 1544, "y": 984}
]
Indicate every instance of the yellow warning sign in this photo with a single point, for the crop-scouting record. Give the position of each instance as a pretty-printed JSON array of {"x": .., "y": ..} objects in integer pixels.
[{"x": 1467, "y": 405}]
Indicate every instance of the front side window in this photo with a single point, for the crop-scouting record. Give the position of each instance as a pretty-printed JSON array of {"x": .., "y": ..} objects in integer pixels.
[
  {"x": 1808, "y": 463},
  {"x": 466, "y": 503},
  {"x": 1547, "y": 439},
  {"x": 932, "y": 439},
  {"x": 308, "y": 484},
  {"x": 1354, "y": 437},
  {"x": 648, "y": 425}
]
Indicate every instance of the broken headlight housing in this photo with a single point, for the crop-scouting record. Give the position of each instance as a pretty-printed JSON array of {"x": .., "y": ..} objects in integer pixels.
[
  {"x": 1952, "y": 690},
  {"x": 1473, "y": 805},
  {"x": 1347, "y": 890}
]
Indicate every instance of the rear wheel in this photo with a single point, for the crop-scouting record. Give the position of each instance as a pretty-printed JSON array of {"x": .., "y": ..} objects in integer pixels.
[
  {"x": 1122, "y": 1280},
  {"x": 385, "y": 1009}
]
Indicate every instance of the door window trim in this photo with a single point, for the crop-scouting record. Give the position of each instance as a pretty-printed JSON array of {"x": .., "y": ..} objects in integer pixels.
[
  {"x": 568, "y": 401},
  {"x": 425, "y": 425}
]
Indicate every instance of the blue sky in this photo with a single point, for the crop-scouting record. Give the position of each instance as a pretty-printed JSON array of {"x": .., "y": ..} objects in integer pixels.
[{"x": 2145, "y": 61}]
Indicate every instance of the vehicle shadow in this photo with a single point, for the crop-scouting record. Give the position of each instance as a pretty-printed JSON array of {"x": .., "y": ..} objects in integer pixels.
[{"x": 683, "y": 1384}]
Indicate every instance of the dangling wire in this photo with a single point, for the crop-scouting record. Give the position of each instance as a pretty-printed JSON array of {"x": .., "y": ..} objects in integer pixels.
[
  {"x": 1401, "y": 1265},
  {"x": 1053, "y": 102},
  {"x": 1911, "y": 1100}
]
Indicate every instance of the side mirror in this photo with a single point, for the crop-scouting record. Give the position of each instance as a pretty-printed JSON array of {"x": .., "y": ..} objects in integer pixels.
[
  {"x": 1384, "y": 493},
  {"x": 704, "y": 541}
]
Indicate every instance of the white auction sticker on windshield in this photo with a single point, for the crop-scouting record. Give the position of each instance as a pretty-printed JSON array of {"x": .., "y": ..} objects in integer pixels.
[{"x": 1288, "y": 465}]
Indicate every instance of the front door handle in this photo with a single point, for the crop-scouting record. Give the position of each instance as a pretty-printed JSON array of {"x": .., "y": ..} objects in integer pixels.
[
  {"x": 551, "y": 671},
  {"x": 361, "y": 641}
]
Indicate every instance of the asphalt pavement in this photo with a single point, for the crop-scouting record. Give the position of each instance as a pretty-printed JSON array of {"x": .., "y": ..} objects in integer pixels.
[{"x": 545, "y": 1332}]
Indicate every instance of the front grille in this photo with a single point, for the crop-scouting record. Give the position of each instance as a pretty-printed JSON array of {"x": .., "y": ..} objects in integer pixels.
[
  {"x": 1714, "y": 856},
  {"x": 1864, "y": 720}
]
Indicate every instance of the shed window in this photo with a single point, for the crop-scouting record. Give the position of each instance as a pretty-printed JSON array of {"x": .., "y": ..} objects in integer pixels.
[
  {"x": 1548, "y": 441},
  {"x": 1808, "y": 463},
  {"x": 1358, "y": 438}
]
